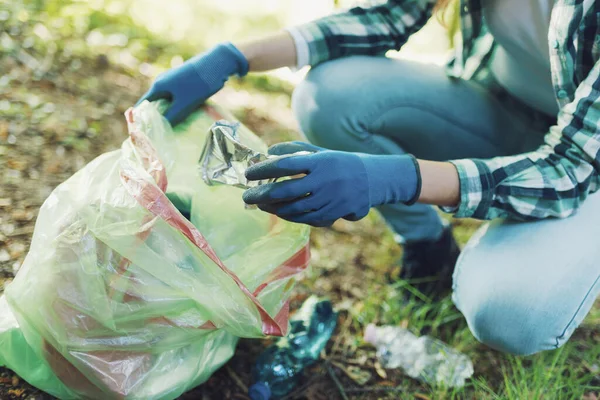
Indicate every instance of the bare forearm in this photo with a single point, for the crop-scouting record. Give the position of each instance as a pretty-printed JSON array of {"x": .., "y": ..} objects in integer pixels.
[
  {"x": 439, "y": 183},
  {"x": 271, "y": 52}
]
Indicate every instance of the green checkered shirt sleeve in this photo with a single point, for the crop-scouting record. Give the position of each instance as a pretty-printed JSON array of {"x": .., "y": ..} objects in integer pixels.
[
  {"x": 365, "y": 30},
  {"x": 550, "y": 182}
]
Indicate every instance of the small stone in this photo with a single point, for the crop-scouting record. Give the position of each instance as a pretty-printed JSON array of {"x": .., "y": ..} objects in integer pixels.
[
  {"x": 28, "y": 42},
  {"x": 16, "y": 267},
  {"x": 16, "y": 250},
  {"x": 33, "y": 101},
  {"x": 75, "y": 65},
  {"x": 49, "y": 108},
  {"x": 4, "y": 256},
  {"x": 42, "y": 32},
  {"x": 13, "y": 175},
  {"x": 8, "y": 229},
  {"x": 108, "y": 109},
  {"x": 22, "y": 215},
  {"x": 5, "y": 202}
]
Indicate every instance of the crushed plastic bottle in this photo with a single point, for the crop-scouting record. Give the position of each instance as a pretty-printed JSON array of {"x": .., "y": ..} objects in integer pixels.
[
  {"x": 279, "y": 368},
  {"x": 423, "y": 358}
]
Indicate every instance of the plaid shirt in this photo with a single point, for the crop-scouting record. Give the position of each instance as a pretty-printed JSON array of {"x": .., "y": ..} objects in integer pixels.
[{"x": 552, "y": 181}]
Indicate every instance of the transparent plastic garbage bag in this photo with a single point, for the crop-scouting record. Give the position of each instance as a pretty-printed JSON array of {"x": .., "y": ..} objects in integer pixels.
[{"x": 141, "y": 278}]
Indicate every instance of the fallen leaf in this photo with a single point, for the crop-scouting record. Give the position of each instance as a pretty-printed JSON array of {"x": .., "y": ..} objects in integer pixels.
[
  {"x": 14, "y": 381},
  {"x": 3, "y": 130},
  {"x": 19, "y": 165},
  {"x": 16, "y": 392},
  {"x": 22, "y": 215},
  {"x": 54, "y": 166},
  {"x": 358, "y": 375},
  {"x": 380, "y": 371},
  {"x": 16, "y": 249},
  {"x": 5, "y": 202}
]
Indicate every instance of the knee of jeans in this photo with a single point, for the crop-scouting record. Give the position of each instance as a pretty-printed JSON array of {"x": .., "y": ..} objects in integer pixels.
[
  {"x": 503, "y": 320},
  {"x": 492, "y": 326},
  {"x": 320, "y": 104}
]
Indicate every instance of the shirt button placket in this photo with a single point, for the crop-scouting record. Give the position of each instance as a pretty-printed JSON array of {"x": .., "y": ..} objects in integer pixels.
[{"x": 562, "y": 94}]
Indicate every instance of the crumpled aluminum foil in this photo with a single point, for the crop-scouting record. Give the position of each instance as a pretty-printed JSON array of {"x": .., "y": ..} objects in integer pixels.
[{"x": 225, "y": 159}]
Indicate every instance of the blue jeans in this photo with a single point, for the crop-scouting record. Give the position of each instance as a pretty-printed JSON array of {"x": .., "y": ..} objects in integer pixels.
[{"x": 523, "y": 287}]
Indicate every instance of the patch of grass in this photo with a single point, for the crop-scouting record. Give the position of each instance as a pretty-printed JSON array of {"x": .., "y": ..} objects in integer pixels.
[
  {"x": 353, "y": 264},
  {"x": 559, "y": 374}
]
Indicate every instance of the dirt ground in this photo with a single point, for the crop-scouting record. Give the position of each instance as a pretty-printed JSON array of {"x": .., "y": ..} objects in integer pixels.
[
  {"x": 50, "y": 129},
  {"x": 54, "y": 123}
]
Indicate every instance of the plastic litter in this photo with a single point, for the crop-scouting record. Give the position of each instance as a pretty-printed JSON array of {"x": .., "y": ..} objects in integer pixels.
[
  {"x": 279, "y": 368},
  {"x": 140, "y": 277},
  {"x": 225, "y": 158},
  {"x": 422, "y": 358},
  {"x": 227, "y": 154}
]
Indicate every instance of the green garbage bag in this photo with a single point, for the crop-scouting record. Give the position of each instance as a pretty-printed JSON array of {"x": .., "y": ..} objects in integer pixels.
[{"x": 141, "y": 278}]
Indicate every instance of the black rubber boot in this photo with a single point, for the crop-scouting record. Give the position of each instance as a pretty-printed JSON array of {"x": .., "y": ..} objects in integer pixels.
[{"x": 428, "y": 265}]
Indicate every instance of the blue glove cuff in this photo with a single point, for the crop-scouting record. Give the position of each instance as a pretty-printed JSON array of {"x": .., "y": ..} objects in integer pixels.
[
  {"x": 392, "y": 179},
  {"x": 419, "y": 182},
  {"x": 217, "y": 65}
]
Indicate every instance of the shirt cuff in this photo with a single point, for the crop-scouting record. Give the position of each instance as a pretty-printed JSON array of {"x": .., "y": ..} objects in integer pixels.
[
  {"x": 302, "y": 51},
  {"x": 476, "y": 190},
  {"x": 313, "y": 34}
]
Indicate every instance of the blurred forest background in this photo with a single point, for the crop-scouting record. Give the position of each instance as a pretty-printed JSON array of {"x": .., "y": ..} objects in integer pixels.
[{"x": 68, "y": 71}]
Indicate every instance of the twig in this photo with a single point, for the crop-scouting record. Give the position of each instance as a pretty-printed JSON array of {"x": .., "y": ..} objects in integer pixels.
[
  {"x": 338, "y": 339},
  {"x": 374, "y": 389},
  {"x": 301, "y": 389},
  {"x": 336, "y": 381},
  {"x": 347, "y": 361},
  {"x": 237, "y": 379}
]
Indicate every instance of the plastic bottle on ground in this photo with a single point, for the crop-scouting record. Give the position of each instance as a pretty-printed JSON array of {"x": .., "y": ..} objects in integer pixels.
[
  {"x": 423, "y": 358},
  {"x": 279, "y": 368}
]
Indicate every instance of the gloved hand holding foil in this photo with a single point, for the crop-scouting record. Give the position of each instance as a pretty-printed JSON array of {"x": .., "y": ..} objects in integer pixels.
[
  {"x": 336, "y": 184},
  {"x": 225, "y": 158}
]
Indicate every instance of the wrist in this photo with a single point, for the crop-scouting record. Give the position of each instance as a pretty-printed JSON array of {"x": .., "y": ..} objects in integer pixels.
[
  {"x": 392, "y": 178},
  {"x": 241, "y": 67},
  {"x": 215, "y": 66}
]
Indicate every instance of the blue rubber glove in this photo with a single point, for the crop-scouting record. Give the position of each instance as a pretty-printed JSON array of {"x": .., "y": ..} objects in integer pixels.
[
  {"x": 337, "y": 184},
  {"x": 190, "y": 84}
]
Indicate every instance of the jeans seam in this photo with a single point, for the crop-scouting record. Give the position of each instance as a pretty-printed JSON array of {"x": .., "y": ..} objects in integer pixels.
[
  {"x": 368, "y": 140},
  {"x": 570, "y": 323},
  {"x": 443, "y": 117},
  {"x": 457, "y": 272}
]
